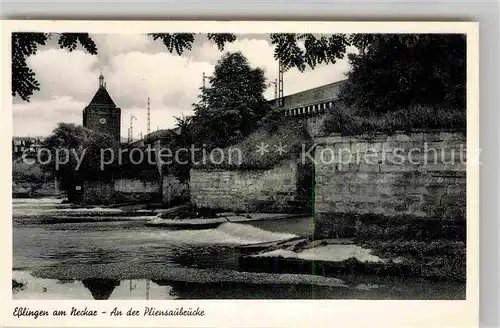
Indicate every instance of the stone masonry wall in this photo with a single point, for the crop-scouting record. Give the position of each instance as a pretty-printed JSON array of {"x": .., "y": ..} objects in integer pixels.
[
  {"x": 388, "y": 185},
  {"x": 250, "y": 190},
  {"x": 174, "y": 191},
  {"x": 30, "y": 189},
  {"x": 97, "y": 192},
  {"x": 136, "y": 186},
  {"x": 135, "y": 190},
  {"x": 132, "y": 190}
]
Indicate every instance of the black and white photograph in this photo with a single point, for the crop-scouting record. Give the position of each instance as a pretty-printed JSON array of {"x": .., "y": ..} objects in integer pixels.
[{"x": 254, "y": 166}]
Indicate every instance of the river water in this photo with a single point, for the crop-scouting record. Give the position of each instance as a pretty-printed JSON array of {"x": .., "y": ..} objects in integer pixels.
[{"x": 124, "y": 259}]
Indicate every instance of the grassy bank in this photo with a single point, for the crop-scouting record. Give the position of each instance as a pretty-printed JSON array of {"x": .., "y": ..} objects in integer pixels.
[
  {"x": 349, "y": 121},
  {"x": 439, "y": 259},
  {"x": 425, "y": 247}
]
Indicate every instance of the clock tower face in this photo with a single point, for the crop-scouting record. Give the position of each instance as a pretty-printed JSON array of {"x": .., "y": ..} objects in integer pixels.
[{"x": 101, "y": 114}]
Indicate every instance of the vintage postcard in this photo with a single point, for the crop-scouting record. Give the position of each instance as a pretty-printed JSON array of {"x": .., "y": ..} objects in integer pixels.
[{"x": 296, "y": 172}]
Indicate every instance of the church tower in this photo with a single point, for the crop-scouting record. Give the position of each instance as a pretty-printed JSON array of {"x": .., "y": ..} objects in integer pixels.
[{"x": 101, "y": 114}]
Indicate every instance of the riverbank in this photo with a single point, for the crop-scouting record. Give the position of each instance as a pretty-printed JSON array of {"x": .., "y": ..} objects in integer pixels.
[
  {"x": 184, "y": 216},
  {"x": 437, "y": 260},
  {"x": 279, "y": 243},
  {"x": 150, "y": 282}
]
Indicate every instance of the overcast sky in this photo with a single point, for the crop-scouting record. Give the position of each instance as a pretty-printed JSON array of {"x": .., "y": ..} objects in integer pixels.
[{"x": 135, "y": 67}]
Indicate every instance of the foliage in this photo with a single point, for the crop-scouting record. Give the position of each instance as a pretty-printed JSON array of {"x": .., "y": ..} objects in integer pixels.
[
  {"x": 317, "y": 49},
  {"x": 428, "y": 247},
  {"x": 182, "y": 139},
  {"x": 395, "y": 71},
  {"x": 421, "y": 249},
  {"x": 29, "y": 171},
  {"x": 132, "y": 167},
  {"x": 78, "y": 142},
  {"x": 351, "y": 121},
  {"x": 233, "y": 104},
  {"x": 292, "y": 50},
  {"x": 221, "y": 39},
  {"x": 441, "y": 259},
  {"x": 244, "y": 156},
  {"x": 24, "y": 82},
  {"x": 175, "y": 41},
  {"x": 389, "y": 73}
]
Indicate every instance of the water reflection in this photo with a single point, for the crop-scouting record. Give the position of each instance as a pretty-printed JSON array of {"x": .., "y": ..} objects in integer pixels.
[
  {"x": 101, "y": 289},
  {"x": 145, "y": 289},
  {"x": 128, "y": 249},
  {"x": 233, "y": 290}
]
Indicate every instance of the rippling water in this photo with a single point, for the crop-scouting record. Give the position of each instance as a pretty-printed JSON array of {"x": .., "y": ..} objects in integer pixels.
[{"x": 127, "y": 260}]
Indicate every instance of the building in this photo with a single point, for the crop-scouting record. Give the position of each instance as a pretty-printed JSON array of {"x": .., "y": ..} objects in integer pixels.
[
  {"x": 269, "y": 183},
  {"x": 156, "y": 139},
  {"x": 101, "y": 114},
  {"x": 26, "y": 145},
  {"x": 310, "y": 102}
]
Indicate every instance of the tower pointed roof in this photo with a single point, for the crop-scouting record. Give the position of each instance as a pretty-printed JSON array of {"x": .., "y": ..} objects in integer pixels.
[{"x": 102, "y": 96}]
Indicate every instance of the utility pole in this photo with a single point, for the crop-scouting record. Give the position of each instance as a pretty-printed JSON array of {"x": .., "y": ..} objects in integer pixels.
[
  {"x": 205, "y": 77},
  {"x": 131, "y": 136},
  {"x": 275, "y": 82},
  {"x": 149, "y": 116},
  {"x": 280, "y": 84}
]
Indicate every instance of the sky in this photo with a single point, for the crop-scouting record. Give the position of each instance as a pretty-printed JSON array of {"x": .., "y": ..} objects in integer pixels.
[{"x": 136, "y": 67}]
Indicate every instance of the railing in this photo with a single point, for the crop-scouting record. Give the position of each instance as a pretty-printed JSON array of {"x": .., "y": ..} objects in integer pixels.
[{"x": 308, "y": 110}]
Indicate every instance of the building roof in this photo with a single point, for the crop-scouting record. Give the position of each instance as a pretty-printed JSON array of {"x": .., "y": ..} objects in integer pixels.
[{"x": 102, "y": 97}]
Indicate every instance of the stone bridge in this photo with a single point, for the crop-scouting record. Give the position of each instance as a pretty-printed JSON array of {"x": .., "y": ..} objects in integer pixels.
[
  {"x": 310, "y": 102},
  {"x": 310, "y": 105}
]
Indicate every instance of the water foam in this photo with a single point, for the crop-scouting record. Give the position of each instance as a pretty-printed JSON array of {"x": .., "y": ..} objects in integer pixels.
[
  {"x": 37, "y": 201},
  {"x": 226, "y": 233}
]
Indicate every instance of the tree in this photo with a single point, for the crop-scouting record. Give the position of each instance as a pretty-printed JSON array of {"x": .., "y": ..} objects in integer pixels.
[
  {"x": 24, "y": 82},
  {"x": 182, "y": 140},
  {"x": 68, "y": 144},
  {"x": 25, "y": 172},
  {"x": 292, "y": 50},
  {"x": 233, "y": 104},
  {"x": 390, "y": 70},
  {"x": 316, "y": 48},
  {"x": 394, "y": 71}
]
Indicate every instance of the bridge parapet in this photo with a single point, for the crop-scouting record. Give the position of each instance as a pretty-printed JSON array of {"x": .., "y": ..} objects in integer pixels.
[{"x": 310, "y": 102}]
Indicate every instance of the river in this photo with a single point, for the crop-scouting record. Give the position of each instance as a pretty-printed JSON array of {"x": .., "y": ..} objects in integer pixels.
[{"x": 127, "y": 260}]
